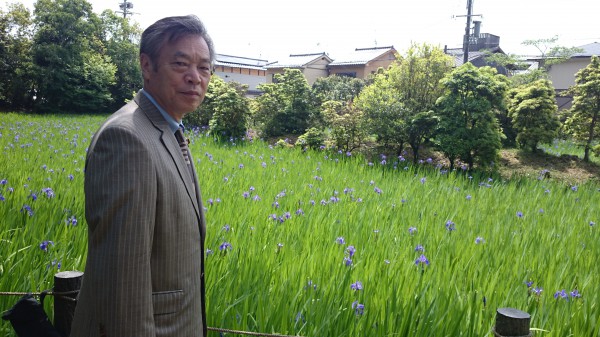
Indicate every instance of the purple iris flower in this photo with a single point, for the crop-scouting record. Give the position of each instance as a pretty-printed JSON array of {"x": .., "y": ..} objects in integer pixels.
[
  {"x": 356, "y": 286},
  {"x": 359, "y": 309},
  {"x": 48, "y": 192},
  {"x": 340, "y": 240},
  {"x": 561, "y": 294},
  {"x": 351, "y": 250},
  {"x": 450, "y": 226},
  {"x": 422, "y": 260},
  {"x": 72, "y": 220},
  {"x": 44, "y": 245},
  {"x": 27, "y": 208},
  {"x": 225, "y": 246}
]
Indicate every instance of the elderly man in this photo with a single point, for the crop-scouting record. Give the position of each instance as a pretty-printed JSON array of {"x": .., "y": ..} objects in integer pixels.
[{"x": 144, "y": 274}]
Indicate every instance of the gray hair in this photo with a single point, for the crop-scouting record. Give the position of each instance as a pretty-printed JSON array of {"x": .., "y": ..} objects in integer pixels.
[{"x": 171, "y": 29}]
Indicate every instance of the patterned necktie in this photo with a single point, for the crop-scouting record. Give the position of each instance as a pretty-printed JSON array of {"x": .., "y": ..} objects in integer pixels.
[{"x": 185, "y": 151}]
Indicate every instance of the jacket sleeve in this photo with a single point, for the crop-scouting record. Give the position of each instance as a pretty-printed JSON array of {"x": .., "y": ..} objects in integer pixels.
[{"x": 121, "y": 194}]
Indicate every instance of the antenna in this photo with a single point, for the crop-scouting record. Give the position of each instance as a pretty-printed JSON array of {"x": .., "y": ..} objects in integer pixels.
[{"x": 126, "y": 7}]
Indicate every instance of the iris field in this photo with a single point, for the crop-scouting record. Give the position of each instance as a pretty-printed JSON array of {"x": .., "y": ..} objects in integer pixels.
[{"x": 319, "y": 243}]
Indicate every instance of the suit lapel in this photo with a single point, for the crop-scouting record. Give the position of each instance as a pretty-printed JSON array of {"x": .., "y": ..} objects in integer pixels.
[{"x": 167, "y": 138}]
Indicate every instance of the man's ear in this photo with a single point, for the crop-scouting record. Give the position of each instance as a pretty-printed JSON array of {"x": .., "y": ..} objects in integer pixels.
[{"x": 146, "y": 65}]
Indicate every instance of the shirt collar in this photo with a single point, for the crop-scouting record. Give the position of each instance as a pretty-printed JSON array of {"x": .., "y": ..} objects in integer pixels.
[{"x": 173, "y": 124}]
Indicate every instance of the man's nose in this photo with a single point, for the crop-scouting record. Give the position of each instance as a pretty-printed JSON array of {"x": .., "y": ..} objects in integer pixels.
[{"x": 194, "y": 76}]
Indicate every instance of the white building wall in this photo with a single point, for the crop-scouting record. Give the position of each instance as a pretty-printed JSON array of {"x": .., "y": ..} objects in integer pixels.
[
  {"x": 251, "y": 80},
  {"x": 562, "y": 75}
]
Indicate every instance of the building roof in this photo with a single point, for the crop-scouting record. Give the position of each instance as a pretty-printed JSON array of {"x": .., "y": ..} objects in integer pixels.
[
  {"x": 589, "y": 50},
  {"x": 238, "y": 61},
  {"x": 361, "y": 56},
  {"x": 458, "y": 54},
  {"x": 298, "y": 60}
]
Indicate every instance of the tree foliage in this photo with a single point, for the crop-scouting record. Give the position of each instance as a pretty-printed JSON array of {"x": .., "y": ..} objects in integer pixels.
[
  {"x": 16, "y": 63},
  {"x": 65, "y": 58},
  {"x": 225, "y": 110},
  {"x": 468, "y": 129},
  {"x": 384, "y": 113},
  {"x": 121, "y": 41},
  {"x": 532, "y": 109},
  {"x": 346, "y": 125},
  {"x": 336, "y": 88},
  {"x": 73, "y": 74},
  {"x": 286, "y": 105},
  {"x": 583, "y": 123},
  {"x": 230, "y": 108},
  {"x": 399, "y": 103}
]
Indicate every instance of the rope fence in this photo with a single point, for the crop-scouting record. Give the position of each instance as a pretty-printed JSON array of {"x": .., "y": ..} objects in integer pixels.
[
  {"x": 509, "y": 321},
  {"x": 64, "y": 295}
]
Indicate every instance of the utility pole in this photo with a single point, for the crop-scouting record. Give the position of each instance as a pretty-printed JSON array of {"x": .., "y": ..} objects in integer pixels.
[
  {"x": 467, "y": 32},
  {"x": 126, "y": 7},
  {"x": 467, "y": 37}
]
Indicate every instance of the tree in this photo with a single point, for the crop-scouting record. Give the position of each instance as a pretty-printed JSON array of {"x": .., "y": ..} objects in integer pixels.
[
  {"x": 550, "y": 54},
  {"x": 73, "y": 73},
  {"x": 399, "y": 103},
  {"x": 532, "y": 109},
  {"x": 16, "y": 63},
  {"x": 121, "y": 39},
  {"x": 468, "y": 129},
  {"x": 286, "y": 105},
  {"x": 346, "y": 123},
  {"x": 337, "y": 88},
  {"x": 225, "y": 110},
  {"x": 418, "y": 81},
  {"x": 384, "y": 113},
  {"x": 230, "y": 108},
  {"x": 583, "y": 124}
]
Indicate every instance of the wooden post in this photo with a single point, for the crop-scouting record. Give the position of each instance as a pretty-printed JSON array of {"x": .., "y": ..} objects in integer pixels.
[
  {"x": 64, "y": 305},
  {"x": 512, "y": 322}
]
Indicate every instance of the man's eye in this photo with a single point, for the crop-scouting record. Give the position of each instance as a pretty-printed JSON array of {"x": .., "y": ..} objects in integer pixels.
[
  {"x": 180, "y": 64},
  {"x": 204, "y": 70}
]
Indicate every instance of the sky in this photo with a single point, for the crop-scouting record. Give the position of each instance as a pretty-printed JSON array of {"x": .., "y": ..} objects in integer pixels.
[{"x": 271, "y": 30}]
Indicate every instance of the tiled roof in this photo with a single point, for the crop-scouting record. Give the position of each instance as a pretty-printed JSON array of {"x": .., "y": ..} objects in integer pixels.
[
  {"x": 458, "y": 54},
  {"x": 589, "y": 50},
  {"x": 238, "y": 61},
  {"x": 297, "y": 60},
  {"x": 361, "y": 56}
]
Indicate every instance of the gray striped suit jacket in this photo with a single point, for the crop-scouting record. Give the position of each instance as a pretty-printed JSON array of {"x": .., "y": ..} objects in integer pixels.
[{"x": 144, "y": 274}]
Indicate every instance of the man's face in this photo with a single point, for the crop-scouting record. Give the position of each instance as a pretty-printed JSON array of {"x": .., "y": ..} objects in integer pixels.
[{"x": 178, "y": 79}]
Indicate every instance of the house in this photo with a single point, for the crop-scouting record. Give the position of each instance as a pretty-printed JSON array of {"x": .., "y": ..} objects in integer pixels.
[
  {"x": 244, "y": 70},
  {"x": 312, "y": 66},
  {"x": 480, "y": 45},
  {"x": 362, "y": 62},
  {"x": 563, "y": 74}
]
